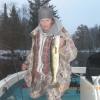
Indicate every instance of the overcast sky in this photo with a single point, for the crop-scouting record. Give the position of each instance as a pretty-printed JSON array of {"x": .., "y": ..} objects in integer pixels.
[{"x": 72, "y": 12}]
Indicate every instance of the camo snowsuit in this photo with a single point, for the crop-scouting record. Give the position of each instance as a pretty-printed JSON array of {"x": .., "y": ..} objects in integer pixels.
[{"x": 39, "y": 75}]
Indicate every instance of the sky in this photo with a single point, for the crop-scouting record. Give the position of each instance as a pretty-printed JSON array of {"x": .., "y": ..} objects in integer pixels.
[{"x": 72, "y": 12}]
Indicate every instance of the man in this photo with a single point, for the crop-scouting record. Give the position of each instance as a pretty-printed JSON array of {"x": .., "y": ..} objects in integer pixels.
[{"x": 39, "y": 79}]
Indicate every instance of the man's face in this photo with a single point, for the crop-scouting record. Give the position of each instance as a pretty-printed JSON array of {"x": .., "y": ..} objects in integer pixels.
[{"x": 46, "y": 24}]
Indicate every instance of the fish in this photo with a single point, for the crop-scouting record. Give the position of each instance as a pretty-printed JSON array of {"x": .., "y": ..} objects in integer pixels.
[{"x": 55, "y": 57}]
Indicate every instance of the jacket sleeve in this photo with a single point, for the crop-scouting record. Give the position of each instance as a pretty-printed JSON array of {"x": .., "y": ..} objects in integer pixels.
[
  {"x": 29, "y": 58},
  {"x": 68, "y": 51}
]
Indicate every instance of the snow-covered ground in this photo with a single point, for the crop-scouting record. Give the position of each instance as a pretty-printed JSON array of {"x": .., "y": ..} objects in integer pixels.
[
  {"x": 21, "y": 53},
  {"x": 96, "y": 50}
]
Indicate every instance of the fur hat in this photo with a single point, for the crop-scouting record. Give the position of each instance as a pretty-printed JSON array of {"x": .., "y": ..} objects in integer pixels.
[{"x": 45, "y": 12}]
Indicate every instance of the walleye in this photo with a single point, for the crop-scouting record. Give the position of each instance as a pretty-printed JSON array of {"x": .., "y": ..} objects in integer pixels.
[{"x": 55, "y": 57}]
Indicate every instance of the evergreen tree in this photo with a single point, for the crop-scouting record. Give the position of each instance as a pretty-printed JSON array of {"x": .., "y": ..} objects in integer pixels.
[
  {"x": 12, "y": 34},
  {"x": 34, "y": 7},
  {"x": 4, "y": 26},
  {"x": 5, "y": 16},
  {"x": 4, "y": 19}
]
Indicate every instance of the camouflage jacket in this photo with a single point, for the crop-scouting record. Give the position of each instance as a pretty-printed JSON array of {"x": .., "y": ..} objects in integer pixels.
[{"x": 68, "y": 53}]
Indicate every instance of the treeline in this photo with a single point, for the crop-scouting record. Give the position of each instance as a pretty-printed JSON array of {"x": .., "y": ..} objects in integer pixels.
[
  {"x": 87, "y": 38},
  {"x": 14, "y": 30}
]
